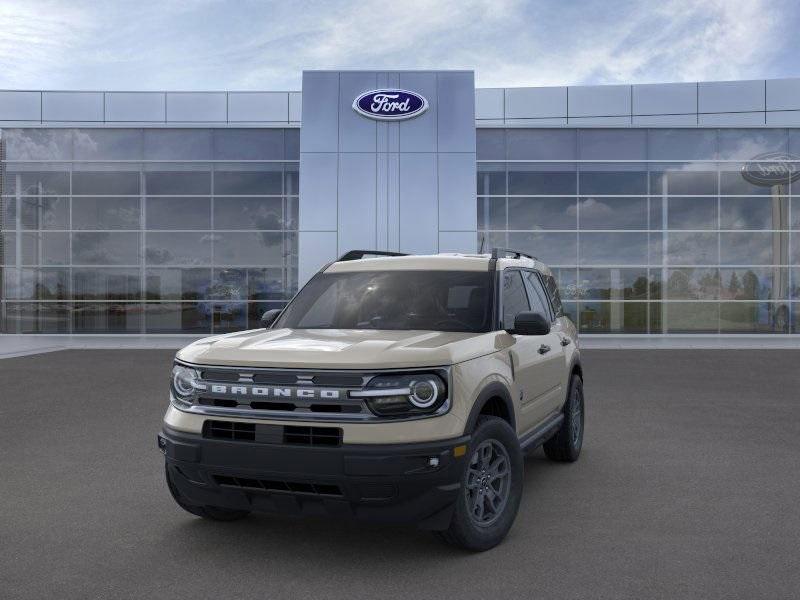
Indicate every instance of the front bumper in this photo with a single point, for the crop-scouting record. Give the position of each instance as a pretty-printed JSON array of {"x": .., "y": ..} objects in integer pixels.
[{"x": 392, "y": 483}]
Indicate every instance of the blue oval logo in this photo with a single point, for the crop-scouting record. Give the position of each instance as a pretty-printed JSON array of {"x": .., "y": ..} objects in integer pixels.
[{"x": 390, "y": 105}]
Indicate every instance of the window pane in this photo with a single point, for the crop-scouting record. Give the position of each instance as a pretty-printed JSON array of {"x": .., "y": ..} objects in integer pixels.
[
  {"x": 249, "y": 249},
  {"x": 43, "y": 284},
  {"x": 99, "y": 317},
  {"x": 692, "y": 248},
  {"x": 613, "y": 317},
  {"x": 542, "y": 213},
  {"x": 177, "y": 144},
  {"x": 691, "y": 213},
  {"x": 551, "y": 248},
  {"x": 51, "y": 248},
  {"x": 491, "y": 179},
  {"x": 737, "y": 143},
  {"x": 248, "y": 213},
  {"x": 291, "y": 178},
  {"x": 248, "y": 144},
  {"x": 8, "y": 248},
  {"x": 229, "y": 284},
  {"x": 98, "y": 183},
  {"x": 186, "y": 317},
  {"x": 229, "y": 317},
  {"x": 44, "y": 212},
  {"x": 754, "y": 317},
  {"x": 524, "y": 180},
  {"x": 8, "y": 213},
  {"x": 759, "y": 248},
  {"x": 178, "y": 213},
  {"x": 515, "y": 299},
  {"x": 754, "y": 283},
  {"x": 38, "y": 144},
  {"x": 108, "y": 144},
  {"x": 754, "y": 213},
  {"x": 38, "y": 183},
  {"x": 541, "y": 144},
  {"x": 177, "y": 284},
  {"x": 266, "y": 284},
  {"x": 613, "y": 284},
  {"x": 612, "y": 144},
  {"x": 106, "y": 284},
  {"x": 492, "y": 213},
  {"x": 178, "y": 248},
  {"x": 693, "y": 284},
  {"x": 105, "y": 213},
  {"x": 178, "y": 183},
  {"x": 255, "y": 311},
  {"x": 491, "y": 144},
  {"x": 732, "y": 182},
  {"x": 613, "y": 248},
  {"x": 674, "y": 181},
  {"x": 105, "y": 248},
  {"x": 32, "y": 317},
  {"x": 291, "y": 142},
  {"x": 690, "y": 317},
  {"x": 612, "y": 213},
  {"x": 682, "y": 144},
  {"x": 248, "y": 182},
  {"x": 612, "y": 182}
]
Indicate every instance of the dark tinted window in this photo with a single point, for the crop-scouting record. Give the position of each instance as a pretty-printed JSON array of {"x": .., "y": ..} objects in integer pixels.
[
  {"x": 515, "y": 299},
  {"x": 536, "y": 295},
  {"x": 555, "y": 297},
  {"x": 396, "y": 300}
]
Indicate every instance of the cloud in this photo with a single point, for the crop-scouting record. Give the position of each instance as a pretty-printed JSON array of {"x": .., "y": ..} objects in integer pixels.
[{"x": 215, "y": 44}]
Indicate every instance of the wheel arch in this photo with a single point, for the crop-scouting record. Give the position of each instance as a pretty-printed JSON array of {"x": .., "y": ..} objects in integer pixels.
[{"x": 494, "y": 399}]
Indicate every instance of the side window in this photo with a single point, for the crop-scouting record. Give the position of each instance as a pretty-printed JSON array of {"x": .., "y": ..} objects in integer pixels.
[
  {"x": 515, "y": 300},
  {"x": 555, "y": 298},
  {"x": 538, "y": 299}
]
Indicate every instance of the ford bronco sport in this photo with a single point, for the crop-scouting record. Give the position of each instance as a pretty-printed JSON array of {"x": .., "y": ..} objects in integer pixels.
[{"x": 392, "y": 388}]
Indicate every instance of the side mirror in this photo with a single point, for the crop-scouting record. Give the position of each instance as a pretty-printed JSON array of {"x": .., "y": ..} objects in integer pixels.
[
  {"x": 269, "y": 317},
  {"x": 531, "y": 323}
]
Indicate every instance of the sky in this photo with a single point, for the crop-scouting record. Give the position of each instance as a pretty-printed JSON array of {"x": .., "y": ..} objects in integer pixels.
[{"x": 265, "y": 45}]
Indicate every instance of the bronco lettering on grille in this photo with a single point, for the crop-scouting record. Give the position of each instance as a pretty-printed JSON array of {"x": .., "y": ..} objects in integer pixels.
[{"x": 275, "y": 392}]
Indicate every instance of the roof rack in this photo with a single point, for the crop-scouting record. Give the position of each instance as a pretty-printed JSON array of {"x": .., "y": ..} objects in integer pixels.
[
  {"x": 359, "y": 254},
  {"x": 505, "y": 252}
]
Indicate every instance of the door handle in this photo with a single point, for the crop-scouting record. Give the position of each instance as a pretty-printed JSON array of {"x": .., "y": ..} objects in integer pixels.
[
  {"x": 565, "y": 341},
  {"x": 544, "y": 349}
]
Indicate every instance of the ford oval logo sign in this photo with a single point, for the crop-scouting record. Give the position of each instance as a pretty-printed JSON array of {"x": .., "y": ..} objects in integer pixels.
[
  {"x": 772, "y": 168},
  {"x": 390, "y": 105}
]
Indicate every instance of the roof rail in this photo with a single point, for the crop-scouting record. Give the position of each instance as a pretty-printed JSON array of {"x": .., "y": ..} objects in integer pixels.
[
  {"x": 505, "y": 252},
  {"x": 359, "y": 254}
]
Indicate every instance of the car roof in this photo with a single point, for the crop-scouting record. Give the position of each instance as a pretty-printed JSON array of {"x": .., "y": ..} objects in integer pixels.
[{"x": 446, "y": 261}]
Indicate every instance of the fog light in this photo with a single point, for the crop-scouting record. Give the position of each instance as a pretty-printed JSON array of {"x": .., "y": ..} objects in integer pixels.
[{"x": 433, "y": 461}]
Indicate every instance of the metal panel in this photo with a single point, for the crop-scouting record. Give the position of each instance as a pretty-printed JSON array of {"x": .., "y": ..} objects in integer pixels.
[
  {"x": 600, "y": 121},
  {"x": 665, "y": 120},
  {"x": 20, "y": 106},
  {"x": 554, "y": 122},
  {"x": 258, "y": 106},
  {"x": 295, "y": 106},
  {"x": 356, "y": 206},
  {"x": 457, "y": 192},
  {"x": 599, "y": 101},
  {"x": 72, "y": 106},
  {"x": 197, "y": 107},
  {"x": 393, "y": 200},
  {"x": 320, "y": 130},
  {"x": 783, "y": 94},
  {"x": 784, "y": 118},
  {"x": 458, "y": 241},
  {"x": 456, "y": 100},
  {"x": 316, "y": 249},
  {"x": 318, "y": 182},
  {"x": 536, "y": 103},
  {"x": 419, "y": 134},
  {"x": 136, "y": 107},
  {"x": 732, "y": 119},
  {"x": 489, "y": 103},
  {"x": 356, "y": 132},
  {"x": 665, "y": 99},
  {"x": 730, "y": 96},
  {"x": 419, "y": 219}
]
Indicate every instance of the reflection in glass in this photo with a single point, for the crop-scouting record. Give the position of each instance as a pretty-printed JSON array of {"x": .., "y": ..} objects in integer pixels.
[
  {"x": 612, "y": 144},
  {"x": 754, "y": 317},
  {"x": 551, "y": 248},
  {"x": 612, "y": 213},
  {"x": 754, "y": 212},
  {"x": 44, "y": 284},
  {"x": 8, "y": 248},
  {"x": 612, "y": 317},
  {"x": 229, "y": 284},
  {"x": 491, "y": 179},
  {"x": 522, "y": 182},
  {"x": 106, "y": 284},
  {"x": 541, "y": 213},
  {"x": 755, "y": 248},
  {"x": 629, "y": 183},
  {"x": 47, "y": 248},
  {"x": 677, "y": 182},
  {"x": 177, "y": 284},
  {"x": 34, "y": 317},
  {"x": 44, "y": 212},
  {"x": 248, "y": 144},
  {"x": 103, "y": 248},
  {"x": 178, "y": 183},
  {"x": 41, "y": 183},
  {"x": 101, "y": 317},
  {"x": 613, "y": 284},
  {"x": 178, "y": 144},
  {"x": 178, "y": 213},
  {"x": 692, "y": 248},
  {"x": 755, "y": 283},
  {"x": 693, "y": 284},
  {"x": 249, "y": 249},
  {"x": 178, "y": 248},
  {"x": 266, "y": 284},
  {"x": 229, "y": 316},
  {"x": 690, "y": 317},
  {"x": 248, "y": 213},
  {"x": 491, "y": 144},
  {"x": 256, "y": 309},
  {"x": 691, "y": 213},
  {"x": 240, "y": 182},
  {"x": 98, "y": 183},
  {"x": 107, "y": 144},
  {"x": 613, "y": 248},
  {"x": 105, "y": 213},
  {"x": 184, "y": 317}
]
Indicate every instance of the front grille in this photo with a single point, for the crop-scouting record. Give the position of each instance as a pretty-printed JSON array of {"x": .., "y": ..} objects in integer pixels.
[
  {"x": 312, "y": 436},
  {"x": 230, "y": 430},
  {"x": 269, "y": 485}
]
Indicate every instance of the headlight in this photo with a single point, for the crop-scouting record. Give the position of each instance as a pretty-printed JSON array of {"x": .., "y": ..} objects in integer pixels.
[
  {"x": 183, "y": 381},
  {"x": 404, "y": 395}
]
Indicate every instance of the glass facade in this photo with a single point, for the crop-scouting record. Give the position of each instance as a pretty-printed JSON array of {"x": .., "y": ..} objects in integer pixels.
[
  {"x": 146, "y": 230},
  {"x": 650, "y": 230}
]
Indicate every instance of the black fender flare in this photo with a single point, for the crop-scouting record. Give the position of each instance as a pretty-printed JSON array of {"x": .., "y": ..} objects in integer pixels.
[
  {"x": 494, "y": 389},
  {"x": 575, "y": 368}
]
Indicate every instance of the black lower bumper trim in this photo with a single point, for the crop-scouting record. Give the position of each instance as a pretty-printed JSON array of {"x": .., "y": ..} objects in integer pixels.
[{"x": 393, "y": 483}]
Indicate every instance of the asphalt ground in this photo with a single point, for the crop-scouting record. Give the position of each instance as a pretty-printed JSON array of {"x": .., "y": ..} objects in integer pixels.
[{"x": 688, "y": 487}]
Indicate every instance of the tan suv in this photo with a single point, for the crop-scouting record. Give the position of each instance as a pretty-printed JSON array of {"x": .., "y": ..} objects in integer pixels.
[{"x": 392, "y": 388}]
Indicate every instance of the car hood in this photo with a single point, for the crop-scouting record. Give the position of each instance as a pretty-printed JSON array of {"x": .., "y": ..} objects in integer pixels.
[{"x": 339, "y": 348}]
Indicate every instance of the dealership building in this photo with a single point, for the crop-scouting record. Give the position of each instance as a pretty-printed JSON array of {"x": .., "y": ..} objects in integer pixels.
[{"x": 663, "y": 209}]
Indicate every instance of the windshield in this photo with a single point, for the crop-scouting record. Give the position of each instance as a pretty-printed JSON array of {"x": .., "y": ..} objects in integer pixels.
[{"x": 405, "y": 300}]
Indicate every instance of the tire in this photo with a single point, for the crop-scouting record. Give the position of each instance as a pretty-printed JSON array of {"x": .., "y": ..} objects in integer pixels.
[
  {"x": 565, "y": 445},
  {"x": 213, "y": 513},
  {"x": 497, "y": 509}
]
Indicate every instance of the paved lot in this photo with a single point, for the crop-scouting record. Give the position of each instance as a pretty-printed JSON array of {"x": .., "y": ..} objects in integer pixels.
[{"x": 688, "y": 488}]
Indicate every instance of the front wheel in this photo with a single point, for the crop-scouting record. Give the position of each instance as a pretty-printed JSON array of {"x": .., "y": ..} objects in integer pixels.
[
  {"x": 565, "y": 445},
  {"x": 491, "y": 488}
]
